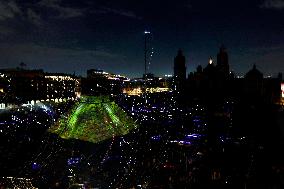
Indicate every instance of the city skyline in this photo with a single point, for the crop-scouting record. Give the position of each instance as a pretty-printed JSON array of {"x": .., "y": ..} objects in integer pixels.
[
  {"x": 70, "y": 36},
  {"x": 141, "y": 94}
]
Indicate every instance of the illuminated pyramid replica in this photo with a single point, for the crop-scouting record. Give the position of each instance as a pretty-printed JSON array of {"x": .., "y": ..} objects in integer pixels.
[{"x": 94, "y": 119}]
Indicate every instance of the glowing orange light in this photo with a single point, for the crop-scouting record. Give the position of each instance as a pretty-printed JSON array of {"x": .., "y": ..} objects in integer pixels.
[{"x": 282, "y": 89}]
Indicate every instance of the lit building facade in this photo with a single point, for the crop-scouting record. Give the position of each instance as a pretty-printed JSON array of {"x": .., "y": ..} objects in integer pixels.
[
  {"x": 21, "y": 85},
  {"x": 282, "y": 93},
  {"x": 136, "y": 86},
  {"x": 101, "y": 82},
  {"x": 30, "y": 86},
  {"x": 61, "y": 86}
]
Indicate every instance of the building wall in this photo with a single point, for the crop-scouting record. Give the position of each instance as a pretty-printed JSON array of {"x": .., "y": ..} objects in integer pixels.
[{"x": 23, "y": 86}]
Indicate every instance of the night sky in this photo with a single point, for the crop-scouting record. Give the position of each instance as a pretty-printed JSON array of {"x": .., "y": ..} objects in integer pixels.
[{"x": 76, "y": 35}]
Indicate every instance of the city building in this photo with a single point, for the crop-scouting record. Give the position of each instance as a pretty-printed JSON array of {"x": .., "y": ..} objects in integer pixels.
[
  {"x": 136, "y": 86},
  {"x": 223, "y": 62},
  {"x": 60, "y": 86},
  {"x": 100, "y": 82},
  {"x": 215, "y": 83},
  {"x": 282, "y": 91},
  {"x": 18, "y": 86},
  {"x": 179, "y": 71}
]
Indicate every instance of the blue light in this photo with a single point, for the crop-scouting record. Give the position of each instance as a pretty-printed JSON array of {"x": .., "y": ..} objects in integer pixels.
[
  {"x": 158, "y": 137},
  {"x": 35, "y": 166},
  {"x": 73, "y": 161}
]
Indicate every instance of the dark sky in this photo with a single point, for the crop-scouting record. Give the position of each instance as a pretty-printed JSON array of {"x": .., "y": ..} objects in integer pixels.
[{"x": 76, "y": 35}]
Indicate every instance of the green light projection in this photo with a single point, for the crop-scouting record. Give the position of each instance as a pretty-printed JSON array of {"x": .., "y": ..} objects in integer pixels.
[{"x": 94, "y": 119}]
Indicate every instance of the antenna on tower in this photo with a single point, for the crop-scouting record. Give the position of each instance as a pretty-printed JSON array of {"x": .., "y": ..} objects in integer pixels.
[
  {"x": 146, "y": 50},
  {"x": 147, "y": 59}
]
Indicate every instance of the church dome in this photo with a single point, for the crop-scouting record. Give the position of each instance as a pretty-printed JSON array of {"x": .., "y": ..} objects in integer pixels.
[{"x": 254, "y": 73}]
